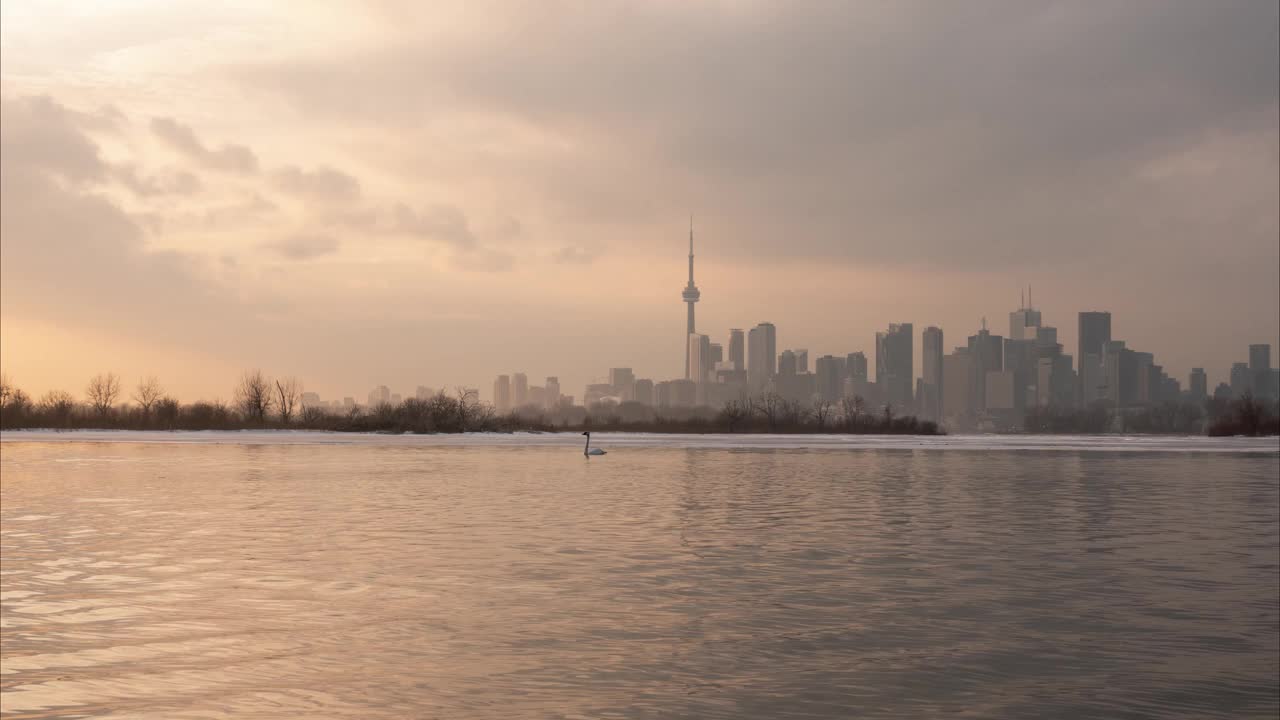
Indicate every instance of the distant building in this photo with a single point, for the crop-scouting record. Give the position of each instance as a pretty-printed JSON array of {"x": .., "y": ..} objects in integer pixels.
[
  {"x": 931, "y": 373},
  {"x": 829, "y": 376},
  {"x": 380, "y": 395},
  {"x": 1000, "y": 389},
  {"x": 519, "y": 390},
  {"x": 1021, "y": 358},
  {"x": 855, "y": 364},
  {"x": 684, "y": 393},
  {"x": 802, "y": 360},
  {"x": 552, "y": 387},
  {"x": 787, "y": 364},
  {"x": 644, "y": 392},
  {"x": 1241, "y": 379},
  {"x": 957, "y": 387},
  {"x": 1024, "y": 323},
  {"x": 537, "y": 396},
  {"x": 895, "y": 364},
  {"x": 502, "y": 394},
  {"x": 699, "y": 358},
  {"x": 1046, "y": 336},
  {"x": 310, "y": 399},
  {"x": 737, "y": 349},
  {"x": 623, "y": 381},
  {"x": 595, "y": 392},
  {"x": 987, "y": 353},
  {"x": 662, "y": 394},
  {"x": 1260, "y": 367},
  {"x": 762, "y": 348},
  {"x": 1055, "y": 381},
  {"x": 1198, "y": 385},
  {"x": 424, "y": 393},
  {"x": 1094, "y": 333},
  {"x": 395, "y": 398},
  {"x": 348, "y": 402}
]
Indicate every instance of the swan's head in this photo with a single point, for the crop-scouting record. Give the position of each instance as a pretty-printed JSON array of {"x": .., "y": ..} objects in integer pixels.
[{"x": 587, "y": 433}]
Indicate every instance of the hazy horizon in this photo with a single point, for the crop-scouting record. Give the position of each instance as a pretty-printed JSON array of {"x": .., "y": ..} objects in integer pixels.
[{"x": 362, "y": 196}]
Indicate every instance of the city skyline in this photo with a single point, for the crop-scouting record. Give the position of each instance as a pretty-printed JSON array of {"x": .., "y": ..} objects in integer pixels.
[{"x": 365, "y": 229}]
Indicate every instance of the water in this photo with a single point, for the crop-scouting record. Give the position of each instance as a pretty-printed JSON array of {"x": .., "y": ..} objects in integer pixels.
[{"x": 290, "y": 575}]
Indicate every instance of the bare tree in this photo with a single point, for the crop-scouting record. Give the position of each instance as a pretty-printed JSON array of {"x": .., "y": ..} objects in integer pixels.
[
  {"x": 60, "y": 405},
  {"x": 147, "y": 393},
  {"x": 822, "y": 411},
  {"x": 732, "y": 413},
  {"x": 253, "y": 395},
  {"x": 102, "y": 391},
  {"x": 167, "y": 412},
  {"x": 770, "y": 406},
  {"x": 851, "y": 406},
  {"x": 287, "y": 392}
]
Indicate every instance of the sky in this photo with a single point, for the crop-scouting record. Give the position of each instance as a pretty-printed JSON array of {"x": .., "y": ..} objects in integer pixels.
[{"x": 432, "y": 194}]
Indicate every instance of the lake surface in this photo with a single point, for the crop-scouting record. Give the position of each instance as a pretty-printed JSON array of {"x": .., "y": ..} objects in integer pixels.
[{"x": 284, "y": 575}]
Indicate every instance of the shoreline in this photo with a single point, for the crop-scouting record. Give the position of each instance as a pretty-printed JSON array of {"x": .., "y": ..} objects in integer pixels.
[{"x": 620, "y": 442}]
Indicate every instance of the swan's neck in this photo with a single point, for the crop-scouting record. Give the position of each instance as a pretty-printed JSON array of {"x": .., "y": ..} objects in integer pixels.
[{"x": 587, "y": 447}]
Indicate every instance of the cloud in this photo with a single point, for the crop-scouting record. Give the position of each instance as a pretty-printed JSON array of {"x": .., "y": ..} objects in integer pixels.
[
  {"x": 228, "y": 158},
  {"x": 322, "y": 184},
  {"x": 169, "y": 182},
  {"x": 42, "y": 136},
  {"x": 70, "y": 255},
  {"x": 978, "y": 135},
  {"x": 569, "y": 255},
  {"x": 303, "y": 246},
  {"x": 443, "y": 223},
  {"x": 483, "y": 260}
]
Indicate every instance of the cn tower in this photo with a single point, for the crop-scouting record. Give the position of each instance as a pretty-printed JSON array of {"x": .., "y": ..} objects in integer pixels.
[{"x": 690, "y": 296}]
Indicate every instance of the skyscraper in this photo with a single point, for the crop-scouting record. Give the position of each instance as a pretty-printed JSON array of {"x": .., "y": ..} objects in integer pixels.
[
  {"x": 1198, "y": 385},
  {"x": 622, "y": 380},
  {"x": 699, "y": 357},
  {"x": 1023, "y": 322},
  {"x": 856, "y": 366},
  {"x": 762, "y": 355},
  {"x": 1260, "y": 367},
  {"x": 553, "y": 392},
  {"x": 787, "y": 363},
  {"x": 1095, "y": 332},
  {"x": 931, "y": 372},
  {"x": 957, "y": 398},
  {"x": 831, "y": 372},
  {"x": 737, "y": 350},
  {"x": 502, "y": 393},
  {"x": 644, "y": 391},
  {"x": 519, "y": 390},
  {"x": 802, "y": 360},
  {"x": 690, "y": 296},
  {"x": 895, "y": 358},
  {"x": 987, "y": 354}
]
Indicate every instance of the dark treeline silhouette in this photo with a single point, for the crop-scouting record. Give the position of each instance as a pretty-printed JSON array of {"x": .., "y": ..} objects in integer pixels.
[
  {"x": 1246, "y": 416},
  {"x": 260, "y": 402},
  {"x": 1216, "y": 416}
]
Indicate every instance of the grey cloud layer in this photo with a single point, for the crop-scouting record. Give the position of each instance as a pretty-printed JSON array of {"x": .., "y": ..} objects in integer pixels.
[
  {"x": 966, "y": 133},
  {"x": 228, "y": 158}
]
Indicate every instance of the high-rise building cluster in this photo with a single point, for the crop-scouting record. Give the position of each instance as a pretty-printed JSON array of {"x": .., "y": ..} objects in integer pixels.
[{"x": 986, "y": 381}]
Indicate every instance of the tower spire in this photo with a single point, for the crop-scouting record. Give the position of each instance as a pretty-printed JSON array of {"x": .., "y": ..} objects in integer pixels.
[{"x": 690, "y": 296}]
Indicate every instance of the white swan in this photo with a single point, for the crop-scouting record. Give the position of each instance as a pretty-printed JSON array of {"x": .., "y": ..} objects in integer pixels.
[{"x": 588, "y": 449}]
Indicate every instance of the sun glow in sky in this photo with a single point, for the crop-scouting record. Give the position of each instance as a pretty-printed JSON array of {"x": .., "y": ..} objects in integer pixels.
[{"x": 406, "y": 194}]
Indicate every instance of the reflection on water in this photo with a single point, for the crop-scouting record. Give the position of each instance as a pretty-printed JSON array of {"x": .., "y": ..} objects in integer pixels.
[{"x": 368, "y": 580}]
